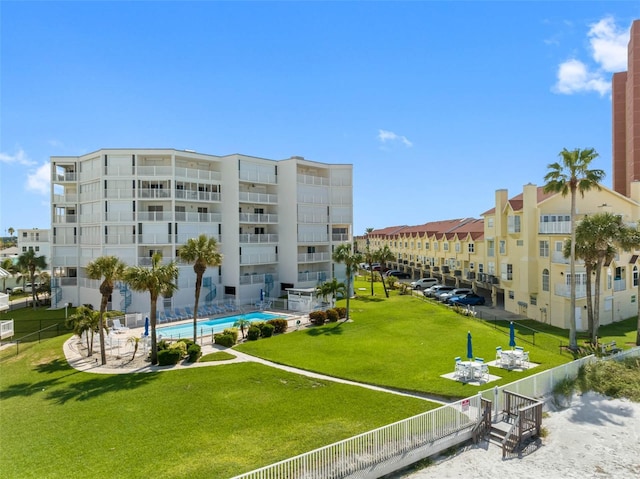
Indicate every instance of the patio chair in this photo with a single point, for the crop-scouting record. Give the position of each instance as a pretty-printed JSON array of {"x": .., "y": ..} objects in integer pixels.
[
  {"x": 118, "y": 327},
  {"x": 162, "y": 318},
  {"x": 460, "y": 369},
  {"x": 230, "y": 307},
  {"x": 499, "y": 353},
  {"x": 484, "y": 372},
  {"x": 189, "y": 311},
  {"x": 524, "y": 361},
  {"x": 170, "y": 315},
  {"x": 479, "y": 360},
  {"x": 217, "y": 309},
  {"x": 181, "y": 314}
]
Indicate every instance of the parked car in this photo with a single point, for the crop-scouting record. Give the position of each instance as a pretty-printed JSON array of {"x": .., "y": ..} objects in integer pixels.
[
  {"x": 434, "y": 290},
  {"x": 424, "y": 283},
  {"x": 455, "y": 292},
  {"x": 442, "y": 291},
  {"x": 397, "y": 274},
  {"x": 27, "y": 287},
  {"x": 471, "y": 299}
]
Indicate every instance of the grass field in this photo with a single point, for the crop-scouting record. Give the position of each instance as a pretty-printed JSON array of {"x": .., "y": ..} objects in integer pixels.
[{"x": 222, "y": 420}]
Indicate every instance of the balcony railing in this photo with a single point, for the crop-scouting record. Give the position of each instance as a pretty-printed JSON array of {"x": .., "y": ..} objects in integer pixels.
[
  {"x": 314, "y": 276},
  {"x": 147, "y": 261},
  {"x": 195, "y": 174},
  {"x": 154, "y": 171},
  {"x": 182, "y": 238},
  {"x": 340, "y": 237},
  {"x": 193, "y": 195},
  {"x": 195, "y": 217},
  {"x": 260, "y": 258},
  {"x": 313, "y": 238},
  {"x": 312, "y": 257},
  {"x": 564, "y": 290},
  {"x": 119, "y": 193},
  {"x": 302, "y": 218},
  {"x": 619, "y": 284},
  {"x": 154, "y": 216},
  {"x": 67, "y": 177},
  {"x": 154, "y": 193},
  {"x": 251, "y": 197},
  {"x": 556, "y": 227},
  {"x": 313, "y": 180},
  {"x": 258, "y": 218},
  {"x": 257, "y": 238},
  {"x": 67, "y": 198},
  {"x": 258, "y": 177},
  {"x": 313, "y": 199},
  {"x": 256, "y": 278},
  {"x": 120, "y": 239},
  {"x": 65, "y": 219},
  {"x": 120, "y": 216}
]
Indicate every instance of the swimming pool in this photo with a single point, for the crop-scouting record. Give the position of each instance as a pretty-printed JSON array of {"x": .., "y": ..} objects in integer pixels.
[{"x": 209, "y": 326}]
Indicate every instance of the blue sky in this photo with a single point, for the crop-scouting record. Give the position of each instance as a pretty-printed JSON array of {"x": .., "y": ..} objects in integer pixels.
[{"x": 436, "y": 104}]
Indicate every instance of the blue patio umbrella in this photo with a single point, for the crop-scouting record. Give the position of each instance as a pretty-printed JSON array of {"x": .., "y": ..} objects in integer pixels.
[
  {"x": 512, "y": 335},
  {"x": 469, "y": 346},
  {"x": 146, "y": 325},
  {"x": 261, "y": 294}
]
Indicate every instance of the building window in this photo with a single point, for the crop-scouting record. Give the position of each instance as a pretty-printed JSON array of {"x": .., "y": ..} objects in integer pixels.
[
  {"x": 457, "y": 247},
  {"x": 480, "y": 268},
  {"x": 471, "y": 248},
  {"x": 490, "y": 222},
  {"x": 544, "y": 249},
  {"x": 609, "y": 278},
  {"x": 545, "y": 280},
  {"x": 426, "y": 246},
  {"x": 491, "y": 249},
  {"x": 520, "y": 243},
  {"x": 513, "y": 224},
  {"x": 533, "y": 300},
  {"x": 511, "y": 294},
  {"x": 445, "y": 246},
  {"x": 635, "y": 276},
  {"x": 503, "y": 247}
]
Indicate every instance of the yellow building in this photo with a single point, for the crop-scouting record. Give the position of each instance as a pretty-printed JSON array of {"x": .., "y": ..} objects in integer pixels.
[{"x": 514, "y": 254}]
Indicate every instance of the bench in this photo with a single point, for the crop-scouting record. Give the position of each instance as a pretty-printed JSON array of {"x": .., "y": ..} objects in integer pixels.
[{"x": 609, "y": 348}]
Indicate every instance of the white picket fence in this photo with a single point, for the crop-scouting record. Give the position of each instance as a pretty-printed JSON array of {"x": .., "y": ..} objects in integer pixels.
[{"x": 390, "y": 448}]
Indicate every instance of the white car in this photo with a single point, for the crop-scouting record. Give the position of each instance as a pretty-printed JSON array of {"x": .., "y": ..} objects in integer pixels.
[{"x": 424, "y": 283}]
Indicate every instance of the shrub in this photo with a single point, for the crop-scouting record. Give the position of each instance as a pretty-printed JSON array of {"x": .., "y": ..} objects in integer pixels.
[
  {"x": 163, "y": 344},
  {"x": 279, "y": 324},
  {"x": 180, "y": 346},
  {"x": 318, "y": 317},
  {"x": 169, "y": 357},
  {"x": 266, "y": 331},
  {"x": 332, "y": 315},
  {"x": 224, "y": 339},
  {"x": 233, "y": 332},
  {"x": 187, "y": 342},
  {"x": 342, "y": 312},
  {"x": 194, "y": 351},
  {"x": 253, "y": 333}
]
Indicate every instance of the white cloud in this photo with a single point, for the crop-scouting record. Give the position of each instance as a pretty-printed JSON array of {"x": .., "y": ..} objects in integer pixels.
[
  {"x": 608, "y": 44},
  {"x": 39, "y": 180},
  {"x": 19, "y": 157},
  {"x": 385, "y": 136}
]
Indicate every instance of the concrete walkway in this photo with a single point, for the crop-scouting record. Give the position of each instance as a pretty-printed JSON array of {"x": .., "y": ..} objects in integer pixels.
[{"x": 91, "y": 365}]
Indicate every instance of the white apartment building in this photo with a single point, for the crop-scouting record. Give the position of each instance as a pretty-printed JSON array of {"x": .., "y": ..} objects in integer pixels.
[
  {"x": 276, "y": 222},
  {"x": 36, "y": 240}
]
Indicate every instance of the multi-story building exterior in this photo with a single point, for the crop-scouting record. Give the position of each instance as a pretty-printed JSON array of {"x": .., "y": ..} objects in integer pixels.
[
  {"x": 276, "y": 222},
  {"x": 626, "y": 118},
  {"x": 36, "y": 240},
  {"x": 514, "y": 255}
]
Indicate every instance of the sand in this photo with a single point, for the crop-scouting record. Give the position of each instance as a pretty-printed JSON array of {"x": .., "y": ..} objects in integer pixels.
[{"x": 595, "y": 437}]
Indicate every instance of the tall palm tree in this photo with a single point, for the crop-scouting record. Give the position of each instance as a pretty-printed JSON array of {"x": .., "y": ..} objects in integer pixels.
[
  {"x": 569, "y": 177},
  {"x": 368, "y": 257},
  {"x": 11, "y": 231},
  {"x": 111, "y": 269},
  {"x": 158, "y": 280},
  {"x": 382, "y": 256},
  {"x": 343, "y": 254},
  {"x": 330, "y": 289},
  {"x": 30, "y": 262},
  {"x": 202, "y": 252},
  {"x": 7, "y": 265}
]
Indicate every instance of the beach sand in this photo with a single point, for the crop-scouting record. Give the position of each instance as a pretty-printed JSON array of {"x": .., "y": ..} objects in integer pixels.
[{"x": 595, "y": 437}]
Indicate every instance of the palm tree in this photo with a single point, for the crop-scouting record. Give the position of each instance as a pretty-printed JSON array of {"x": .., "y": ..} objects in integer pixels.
[
  {"x": 343, "y": 254},
  {"x": 242, "y": 323},
  {"x": 368, "y": 255},
  {"x": 84, "y": 321},
  {"x": 157, "y": 280},
  {"x": 11, "y": 231},
  {"x": 330, "y": 289},
  {"x": 29, "y": 262},
  {"x": 202, "y": 252},
  {"x": 111, "y": 269},
  {"x": 570, "y": 177},
  {"x": 382, "y": 256}
]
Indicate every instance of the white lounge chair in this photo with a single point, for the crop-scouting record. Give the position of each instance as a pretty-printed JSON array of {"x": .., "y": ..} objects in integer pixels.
[{"x": 118, "y": 327}]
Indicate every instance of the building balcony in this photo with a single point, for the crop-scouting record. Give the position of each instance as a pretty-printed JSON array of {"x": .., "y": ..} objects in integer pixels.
[
  {"x": 619, "y": 284},
  {"x": 256, "y": 278},
  {"x": 258, "y": 177},
  {"x": 193, "y": 195},
  {"x": 195, "y": 217},
  {"x": 323, "y": 219},
  {"x": 65, "y": 219},
  {"x": 312, "y": 199},
  {"x": 61, "y": 177},
  {"x": 313, "y": 257},
  {"x": 120, "y": 216},
  {"x": 119, "y": 194},
  {"x": 564, "y": 290},
  {"x": 313, "y": 180},
  {"x": 314, "y": 276},
  {"x": 66, "y": 198},
  {"x": 257, "y": 238},
  {"x": 197, "y": 175},
  {"x": 251, "y": 197},
  {"x": 313, "y": 238},
  {"x": 258, "y": 218},
  {"x": 154, "y": 171},
  {"x": 127, "y": 239},
  {"x": 340, "y": 238},
  {"x": 258, "y": 258},
  {"x": 153, "y": 193}
]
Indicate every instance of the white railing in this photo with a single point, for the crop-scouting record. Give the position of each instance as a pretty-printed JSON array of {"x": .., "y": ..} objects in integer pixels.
[
  {"x": 119, "y": 170},
  {"x": 337, "y": 219},
  {"x": 619, "y": 284},
  {"x": 258, "y": 177},
  {"x": 304, "y": 218},
  {"x": 6, "y": 329},
  {"x": 119, "y": 216},
  {"x": 154, "y": 216},
  {"x": 67, "y": 198},
  {"x": 119, "y": 193},
  {"x": 309, "y": 257},
  {"x": 313, "y": 237},
  {"x": 557, "y": 227},
  {"x": 381, "y": 447},
  {"x": 564, "y": 290},
  {"x": 389, "y": 448},
  {"x": 313, "y": 199},
  {"x": 182, "y": 238},
  {"x": 195, "y": 217},
  {"x": 195, "y": 174},
  {"x": 254, "y": 238},
  {"x": 65, "y": 219},
  {"x": 67, "y": 177},
  {"x": 258, "y": 218},
  {"x": 314, "y": 276},
  {"x": 258, "y": 258},
  {"x": 154, "y": 171},
  {"x": 256, "y": 278},
  {"x": 249, "y": 197},
  {"x": 194, "y": 195},
  {"x": 340, "y": 237},
  {"x": 313, "y": 180},
  {"x": 154, "y": 193},
  {"x": 120, "y": 239}
]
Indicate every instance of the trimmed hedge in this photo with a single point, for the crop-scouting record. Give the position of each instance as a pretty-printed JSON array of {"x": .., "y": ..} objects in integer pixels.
[
  {"x": 318, "y": 317},
  {"x": 279, "y": 324},
  {"x": 193, "y": 353},
  {"x": 342, "y": 312},
  {"x": 169, "y": 357},
  {"x": 332, "y": 315},
  {"x": 253, "y": 333},
  {"x": 224, "y": 339},
  {"x": 266, "y": 330}
]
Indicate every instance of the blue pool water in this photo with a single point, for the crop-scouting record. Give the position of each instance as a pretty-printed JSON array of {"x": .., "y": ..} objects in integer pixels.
[{"x": 209, "y": 326}]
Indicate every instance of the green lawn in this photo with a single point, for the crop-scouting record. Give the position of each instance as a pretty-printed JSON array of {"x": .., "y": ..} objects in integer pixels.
[{"x": 222, "y": 420}]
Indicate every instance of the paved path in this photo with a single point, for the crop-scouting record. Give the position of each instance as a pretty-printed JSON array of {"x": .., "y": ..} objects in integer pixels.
[{"x": 91, "y": 365}]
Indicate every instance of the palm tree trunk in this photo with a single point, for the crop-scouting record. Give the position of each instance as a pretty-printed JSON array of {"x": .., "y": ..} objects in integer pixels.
[
  {"x": 103, "y": 308},
  {"x": 154, "y": 339},
  {"x": 386, "y": 292},
  {"x": 590, "y": 304},
  {"x": 573, "y": 344},
  {"x": 195, "y": 307},
  {"x": 596, "y": 307}
]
